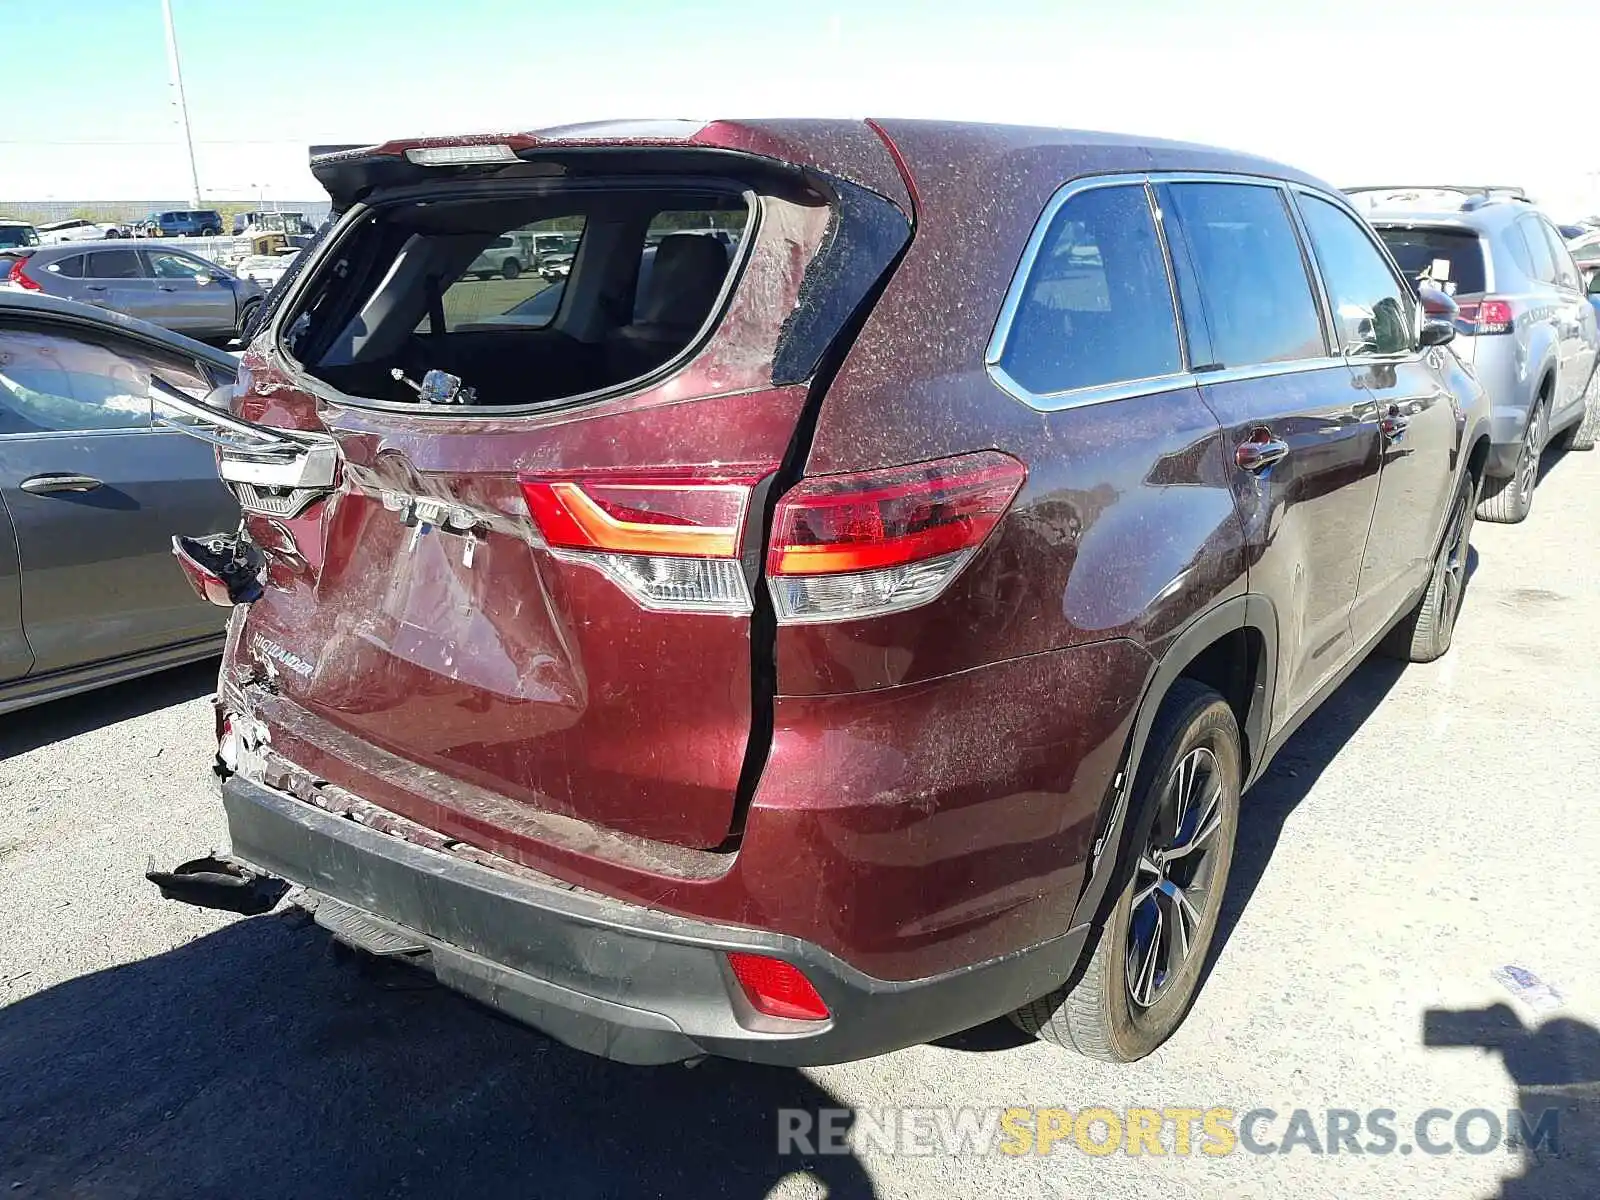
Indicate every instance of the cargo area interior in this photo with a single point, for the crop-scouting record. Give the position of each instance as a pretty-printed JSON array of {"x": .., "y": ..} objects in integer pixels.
[{"x": 529, "y": 299}]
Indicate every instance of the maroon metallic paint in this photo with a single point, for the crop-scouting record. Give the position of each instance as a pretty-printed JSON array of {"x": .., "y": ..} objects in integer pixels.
[
  {"x": 934, "y": 779},
  {"x": 909, "y": 830}
]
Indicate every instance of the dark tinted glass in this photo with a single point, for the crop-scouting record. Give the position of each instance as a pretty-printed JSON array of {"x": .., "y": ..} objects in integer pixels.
[
  {"x": 1097, "y": 307},
  {"x": 1252, "y": 278},
  {"x": 1372, "y": 311},
  {"x": 1544, "y": 266},
  {"x": 70, "y": 267},
  {"x": 1451, "y": 260},
  {"x": 111, "y": 264}
]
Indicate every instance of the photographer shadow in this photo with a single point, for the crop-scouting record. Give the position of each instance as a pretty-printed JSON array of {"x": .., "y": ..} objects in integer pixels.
[
  {"x": 251, "y": 1062},
  {"x": 1556, "y": 1067}
]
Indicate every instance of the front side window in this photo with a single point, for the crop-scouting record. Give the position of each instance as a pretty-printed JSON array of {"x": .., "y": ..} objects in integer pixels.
[
  {"x": 1096, "y": 308},
  {"x": 111, "y": 264},
  {"x": 166, "y": 265},
  {"x": 55, "y": 382},
  {"x": 1372, "y": 310},
  {"x": 1251, "y": 275}
]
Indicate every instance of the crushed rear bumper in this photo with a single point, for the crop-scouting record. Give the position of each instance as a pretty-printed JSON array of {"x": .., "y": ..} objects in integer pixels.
[{"x": 633, "y": 984}]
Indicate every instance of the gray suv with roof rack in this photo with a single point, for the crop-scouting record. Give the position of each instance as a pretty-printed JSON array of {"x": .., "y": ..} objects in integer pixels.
[{"x": 1525, "y": 324}]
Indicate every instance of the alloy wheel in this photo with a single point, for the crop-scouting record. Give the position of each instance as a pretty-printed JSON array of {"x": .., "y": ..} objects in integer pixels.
[
  {"x": 1453, "y": 565},
  {"x": 1174, "y": 877},
  {"x": 1532, "y": 448}
]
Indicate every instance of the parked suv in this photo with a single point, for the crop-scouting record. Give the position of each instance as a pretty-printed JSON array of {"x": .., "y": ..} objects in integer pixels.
[
  {"x": 204, "y": 222},
  {"x": 158, "y": 284},
  {"x": 843, "y": 639},
  {"x": 1526, "y": 326}
]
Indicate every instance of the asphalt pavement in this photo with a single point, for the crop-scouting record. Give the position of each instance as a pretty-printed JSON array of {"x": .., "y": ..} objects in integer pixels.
[{"x": 1430, "y": 825}]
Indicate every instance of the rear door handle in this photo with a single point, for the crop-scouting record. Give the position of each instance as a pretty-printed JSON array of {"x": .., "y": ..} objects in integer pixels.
[
  {"x": 43, "y": 485},
  {"x": 93, "y": 288},
  {"x": 1260, "y": 451}
]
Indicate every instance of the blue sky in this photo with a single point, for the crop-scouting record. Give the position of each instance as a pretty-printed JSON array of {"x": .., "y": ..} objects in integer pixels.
[{"x": 1337, "y": 88}]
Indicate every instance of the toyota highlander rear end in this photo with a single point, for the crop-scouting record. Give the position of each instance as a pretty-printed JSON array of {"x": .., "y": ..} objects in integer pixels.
[{"x": 558, "y": 667}]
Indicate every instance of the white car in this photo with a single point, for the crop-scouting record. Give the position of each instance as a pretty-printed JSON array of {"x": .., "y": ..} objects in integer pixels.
[
  {"x": 266, "y": 269},
  {"x": 76, "y": 230}
]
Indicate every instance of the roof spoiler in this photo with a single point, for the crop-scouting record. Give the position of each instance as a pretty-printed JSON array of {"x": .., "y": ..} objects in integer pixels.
[{"x": 1486, "y": 190}]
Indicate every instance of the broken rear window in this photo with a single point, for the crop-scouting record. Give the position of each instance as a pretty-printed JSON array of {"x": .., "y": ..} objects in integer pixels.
[{"x": 526, "y": 299}]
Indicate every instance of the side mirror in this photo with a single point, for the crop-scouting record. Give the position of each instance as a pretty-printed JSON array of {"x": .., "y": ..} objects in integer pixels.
[
  {"x": 202, "y": 279},
  {"x": 1436, "y": 333},
  {"x": 1436, "y": 302}
]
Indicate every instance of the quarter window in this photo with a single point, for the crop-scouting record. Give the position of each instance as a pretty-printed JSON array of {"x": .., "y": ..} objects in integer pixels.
[
  {"x": 1372, "y": 312},
  {"x": 1566, "y": 271},
  {"x": 1097, "y": 306},
  {"x": 1251, "y": 276},
  {"x": 1544, "y": 266}
]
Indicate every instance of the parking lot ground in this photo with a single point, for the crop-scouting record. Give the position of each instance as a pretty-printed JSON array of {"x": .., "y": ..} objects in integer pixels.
[{"x": 1429, "y": 825}]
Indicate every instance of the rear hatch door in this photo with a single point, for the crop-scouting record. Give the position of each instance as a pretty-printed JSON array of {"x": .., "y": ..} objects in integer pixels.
[{"x": 545, "y": 609}]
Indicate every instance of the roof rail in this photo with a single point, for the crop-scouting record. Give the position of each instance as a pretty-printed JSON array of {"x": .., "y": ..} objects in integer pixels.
[{"x": 1465, "y": 189}]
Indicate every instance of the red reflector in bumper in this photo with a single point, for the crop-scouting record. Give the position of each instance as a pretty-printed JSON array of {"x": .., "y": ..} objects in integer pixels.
[{"x": 776, "y": 988}]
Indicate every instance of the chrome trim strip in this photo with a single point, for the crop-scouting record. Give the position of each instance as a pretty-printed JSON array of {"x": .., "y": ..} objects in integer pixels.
[{"x": 1105, "y": 393}]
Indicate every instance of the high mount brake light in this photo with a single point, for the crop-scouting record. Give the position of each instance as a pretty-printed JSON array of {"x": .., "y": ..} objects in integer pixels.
[
  {"x": 670, "y": 539},
  {"x": 462, "y": 155},
  {"x": 861, "y": 545}
]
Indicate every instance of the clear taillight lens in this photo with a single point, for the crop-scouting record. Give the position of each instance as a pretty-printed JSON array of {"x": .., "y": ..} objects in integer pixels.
[
  {"x": 846, "y": 547},
  {"x": 670, "y": 539}
]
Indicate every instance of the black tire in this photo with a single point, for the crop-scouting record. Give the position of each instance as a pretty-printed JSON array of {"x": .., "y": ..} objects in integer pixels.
[
  {"x": 1425, "y": 633},
  {"x": 1508, "y": 501},
  {"x": 1098, "y": 1016},
  {"x": 247, "y": 315},
  {"x": 1582, "y": 435},
  {"x": 510, "y": 269}
]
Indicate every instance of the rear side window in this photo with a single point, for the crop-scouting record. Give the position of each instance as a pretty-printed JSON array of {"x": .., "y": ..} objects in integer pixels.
[
  {"x": 1449, "y": 259},
  {"x": 1251, "y": 275},
  {"x": 1372, "y": 311},
  {"x": 1544, "y": 266},
  {"x": 111, "y": 264},
  {"x": 1097, "y": 305}
]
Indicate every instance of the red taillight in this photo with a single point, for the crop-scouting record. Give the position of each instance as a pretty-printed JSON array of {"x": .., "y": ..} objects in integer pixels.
[
  {"x": 847, "y": 546},
  {"x": 1489, "y": 316},
  {"x": 776, "y": 988},
  {"x": 694, "y": 516},
  {"x": 670, "y": 538},
  {"x": 17, "y": 275}
]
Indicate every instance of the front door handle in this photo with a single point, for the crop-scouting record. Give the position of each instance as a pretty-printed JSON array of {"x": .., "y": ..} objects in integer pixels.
[
  {"x": 1260, "y": 451},
  {"x": 167, "y": 287},
  {"x": 44, "y": 485}
]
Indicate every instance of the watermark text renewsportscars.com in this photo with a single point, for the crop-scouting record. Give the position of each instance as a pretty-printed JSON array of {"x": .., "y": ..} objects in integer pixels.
[{"x": 1175, "y": 1130}]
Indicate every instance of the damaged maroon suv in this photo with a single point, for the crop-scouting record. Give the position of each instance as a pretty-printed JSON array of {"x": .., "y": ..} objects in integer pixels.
[{"x": 836, "y": 591}]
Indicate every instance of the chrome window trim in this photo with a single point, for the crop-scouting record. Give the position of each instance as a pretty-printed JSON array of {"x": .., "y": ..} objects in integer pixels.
[{"x": 1129, "y": 389}]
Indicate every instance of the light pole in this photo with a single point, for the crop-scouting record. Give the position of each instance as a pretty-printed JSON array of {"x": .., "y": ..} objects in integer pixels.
[{"x": 183, "y": 105}]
